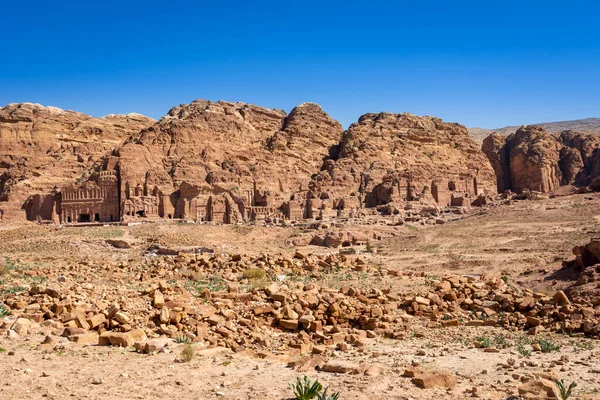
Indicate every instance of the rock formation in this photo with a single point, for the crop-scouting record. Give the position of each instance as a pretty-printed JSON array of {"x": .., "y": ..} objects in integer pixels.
[
  {"x": 221, "y": 162},
  {"x": 231, "y": 144},
  {"x": 43, "y": 148},
  {"x": 533, "y": 159},
  {"x": 384, "y": 158},
  {"x": 533, "y": 156},
  {"x": 494, "y": 146},
  {"x": 586, "y": 164},
  {"x": 233, "y": 162}
]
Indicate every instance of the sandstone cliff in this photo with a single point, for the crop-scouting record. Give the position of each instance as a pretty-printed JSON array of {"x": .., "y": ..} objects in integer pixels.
[
  {"x": 387, "y": 157},
  {"x": 227, "y": 162},
  {"x": 46, "y": 147},
  {"x": 580, "y": 157},
  {"x": 533, "y": 159},
  {"x": 585, "y": 126},
  {"x": 494, "y": 147},
  {"x": 231, "y": 145},
  {"x": 533, "y": 156}
]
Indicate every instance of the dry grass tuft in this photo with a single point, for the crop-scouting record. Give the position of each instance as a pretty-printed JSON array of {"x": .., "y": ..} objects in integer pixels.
[
  {"x": 188, "y": 353},
  {"x": 4, "y": 269},
  {"x": 254, "y": 273}
]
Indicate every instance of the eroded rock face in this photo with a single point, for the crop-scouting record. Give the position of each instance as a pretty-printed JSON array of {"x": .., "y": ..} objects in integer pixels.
[
  {"x": 387, "y": 157},
  {"x": 231, "y": 145},
  {"x": 232, "y": 162},
  {"x": 533, "y": 159},
  {"x": 221, "y": 162},
  {"x": 494, "y": 147},
  {"x": 588, "y": 162},
  {"x": 570, "y": 164},
  {"x": 45, "y": 147}
]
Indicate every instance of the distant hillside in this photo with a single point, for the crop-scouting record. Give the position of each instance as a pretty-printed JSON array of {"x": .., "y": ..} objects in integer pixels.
[{"x": 579, "y": 125}]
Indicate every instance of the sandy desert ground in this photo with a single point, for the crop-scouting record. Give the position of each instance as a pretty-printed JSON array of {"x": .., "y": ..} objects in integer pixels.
[{"x": 523, "y": 243}]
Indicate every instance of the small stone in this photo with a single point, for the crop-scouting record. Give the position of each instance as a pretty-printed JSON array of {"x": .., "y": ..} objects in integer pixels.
[
  {"x": 430, "y": 379},
  {"x": 340, "y": 367},
  {"x": 159, "y": 299},
  {"x": 561, "y": 298}
]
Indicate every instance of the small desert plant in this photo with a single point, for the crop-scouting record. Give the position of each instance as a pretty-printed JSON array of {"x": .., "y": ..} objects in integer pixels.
[
  {"x": 3, "y": 311},
  {"x": 305, "y": 389},
  {"x": 212, "y": 285},
  {"x": 501, "y": 341},
  {"x": 565, "y": 392},
  {"x": 6, "y": 266},
  {"x": 2, "y": 350},
  {"x": 324, "y": 396},
  {"x": 187, "y": 354},
  {"x": 522, "y": 350},
  {"x": 484, "y": 342},
  {"x": 583, "y": 345},
  {"x": 254, "y": 273},
  {"x": 12, "y": 290},
  {"x": 183, "y": 339},
  {"x": 547, "y": 346}
]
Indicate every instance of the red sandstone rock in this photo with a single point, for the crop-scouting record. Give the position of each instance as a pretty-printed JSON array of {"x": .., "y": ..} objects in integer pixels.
[
  {"x": 533, "y": 159},
  {"x": 45, "y": 147},
  {"x": 385, "y": 158}
]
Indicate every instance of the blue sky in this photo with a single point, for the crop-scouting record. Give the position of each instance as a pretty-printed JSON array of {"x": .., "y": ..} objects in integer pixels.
[{"x": 479, "y": 63}]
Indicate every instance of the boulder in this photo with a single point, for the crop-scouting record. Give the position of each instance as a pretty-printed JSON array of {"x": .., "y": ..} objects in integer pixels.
[{"x": 539, "y": 389}]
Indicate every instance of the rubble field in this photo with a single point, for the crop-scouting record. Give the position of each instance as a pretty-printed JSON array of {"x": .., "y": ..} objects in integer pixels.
[{"x": 500, "y": 302}]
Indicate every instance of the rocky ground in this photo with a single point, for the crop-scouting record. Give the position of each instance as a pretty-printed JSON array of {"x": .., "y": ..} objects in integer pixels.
[{"x": 485, "y": 306}]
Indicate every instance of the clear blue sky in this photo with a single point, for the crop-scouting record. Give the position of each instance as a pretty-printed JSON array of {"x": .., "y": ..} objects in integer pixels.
[{"x": 481, "y": 63}]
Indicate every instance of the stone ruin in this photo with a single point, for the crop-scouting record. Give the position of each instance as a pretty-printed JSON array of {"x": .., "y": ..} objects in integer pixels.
[{"x": 104, "y": 198}]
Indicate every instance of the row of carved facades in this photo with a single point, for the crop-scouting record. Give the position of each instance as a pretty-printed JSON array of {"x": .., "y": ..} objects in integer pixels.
[{"x": 102, "y": 200}]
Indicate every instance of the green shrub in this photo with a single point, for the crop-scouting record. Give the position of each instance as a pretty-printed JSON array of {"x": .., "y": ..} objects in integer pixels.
[
  {"x": 305, "y": 389},
  {"x": 547, "y": 346},
  {"x": 484, "y": 342},
  {"x": 501, "y": 341},
  {"x": 323, "y": 396},
  {"x": 522, "y": 350}
]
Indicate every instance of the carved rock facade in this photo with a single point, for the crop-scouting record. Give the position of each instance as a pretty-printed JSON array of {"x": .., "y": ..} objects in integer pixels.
[
  {"x": 46, "y": 148},
  {"x": 391, "y": 158},
  {"x": 233, "y": 162}
]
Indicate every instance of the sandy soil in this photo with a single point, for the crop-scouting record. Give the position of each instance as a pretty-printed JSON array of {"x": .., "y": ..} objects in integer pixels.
[{"x": 526, "y": 242}]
